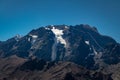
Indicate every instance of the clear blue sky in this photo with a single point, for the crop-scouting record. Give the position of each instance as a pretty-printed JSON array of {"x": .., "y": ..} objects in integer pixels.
[{"x": 21, "y": 16}]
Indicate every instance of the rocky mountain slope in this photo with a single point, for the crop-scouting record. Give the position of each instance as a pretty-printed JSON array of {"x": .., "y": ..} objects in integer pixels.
[
  {"x": 35, "y": 69},
  {"x": 75, "y": 45}
]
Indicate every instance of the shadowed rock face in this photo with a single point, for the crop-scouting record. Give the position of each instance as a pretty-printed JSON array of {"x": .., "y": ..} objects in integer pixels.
[
  {"x": 29, "y": 70},
  {"x": 37, "y": 55},
  {"x": 8, "y": 65},
  {"x": 33, "y": 65},
  {"x": 112, "y": 54}
]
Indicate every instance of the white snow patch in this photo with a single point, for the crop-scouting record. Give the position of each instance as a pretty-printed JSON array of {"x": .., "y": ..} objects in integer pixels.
[
  {"x": 58, "y": 34},
  {"x": 58, "y": 39},
  {"x": 34, "y": 37},
  {"x": 66, "y": 27},
  {"x": 47, "y": 28},
  {"x": 95, "y": 52},
  {"x": 87, "y": 42},
  {"x": 17, "y": 37},
  {"x": 29, "y": 39}
]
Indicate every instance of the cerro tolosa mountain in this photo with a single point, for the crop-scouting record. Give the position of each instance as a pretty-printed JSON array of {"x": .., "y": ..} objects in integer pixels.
[{"x": 60, "y": 52}]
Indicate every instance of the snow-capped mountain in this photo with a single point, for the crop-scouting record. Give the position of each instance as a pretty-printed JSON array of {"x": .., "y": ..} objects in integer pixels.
[
  {"x": 58, "y": 42},
  {"x": 80, "y": 44}
]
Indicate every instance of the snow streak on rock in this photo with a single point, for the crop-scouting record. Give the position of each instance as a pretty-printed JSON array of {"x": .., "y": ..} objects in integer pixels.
[
  {"x": 58, "y": 39},
  {"x": 53, "y": 56},
  {"x": 58, "y": 34},
  {"x": 95, "y": 52}
]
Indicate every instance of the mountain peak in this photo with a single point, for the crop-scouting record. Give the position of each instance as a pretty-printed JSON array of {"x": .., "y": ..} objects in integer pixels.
[
  {"x": 80, "y": 44},
  {"x": 17, "y": 37},
  {"x": 59, "y": 42}
]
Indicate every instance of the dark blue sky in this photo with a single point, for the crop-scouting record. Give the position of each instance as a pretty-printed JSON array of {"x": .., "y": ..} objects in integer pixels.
[{"x": 21, "y": 16}]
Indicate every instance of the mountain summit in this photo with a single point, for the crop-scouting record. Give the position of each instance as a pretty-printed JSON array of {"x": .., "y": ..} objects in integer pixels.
[{"x": 80, "y": 44}]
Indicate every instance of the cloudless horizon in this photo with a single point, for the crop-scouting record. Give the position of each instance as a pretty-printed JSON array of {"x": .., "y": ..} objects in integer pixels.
[{"x": 21, "y": 16}]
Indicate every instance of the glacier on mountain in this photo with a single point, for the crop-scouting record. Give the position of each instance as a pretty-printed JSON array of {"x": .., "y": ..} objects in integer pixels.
[
  {"x": 58, "y": 34},
  {"x": 58, "y": 39}
]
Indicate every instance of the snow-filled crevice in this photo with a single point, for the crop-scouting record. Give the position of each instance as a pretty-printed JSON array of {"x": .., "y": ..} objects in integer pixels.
[
  {"x": 53, "y": 56},
  {"x": 95, "y": 52},
  {"x": 95, "y": 41},
  {"x": 97, "y": 56},
  {"x": 58, "y": 35},
  {"x": 58, "y": 39}
]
